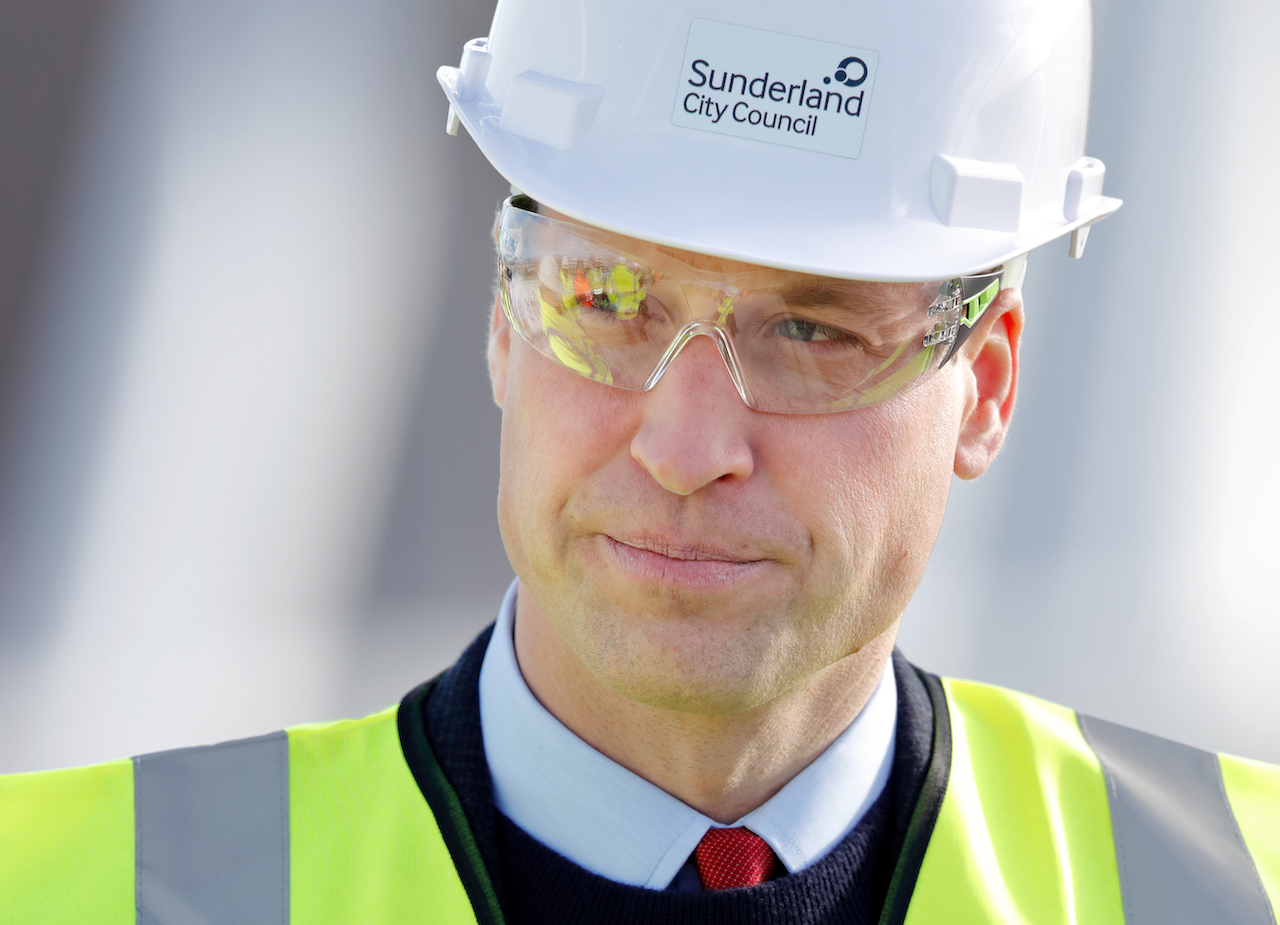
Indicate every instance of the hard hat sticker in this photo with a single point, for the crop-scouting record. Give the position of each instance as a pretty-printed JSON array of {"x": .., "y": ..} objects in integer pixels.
[{"x": 771, "y": 87}]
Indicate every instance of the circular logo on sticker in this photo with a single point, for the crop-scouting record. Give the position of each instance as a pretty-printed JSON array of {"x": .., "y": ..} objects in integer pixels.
[{"x": 850, "y": 72}]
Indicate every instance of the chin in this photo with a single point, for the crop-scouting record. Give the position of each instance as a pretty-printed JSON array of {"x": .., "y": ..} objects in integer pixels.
[{"x": 702, "y": 668}]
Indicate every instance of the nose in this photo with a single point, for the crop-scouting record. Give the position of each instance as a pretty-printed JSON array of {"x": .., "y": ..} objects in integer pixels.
[{"x": 695, "y": 427}]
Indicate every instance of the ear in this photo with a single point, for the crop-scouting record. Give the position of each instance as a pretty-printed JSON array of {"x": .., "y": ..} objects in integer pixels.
[
  {"x": 989, "y": 363},
  {"x": 499, "y": 351}
]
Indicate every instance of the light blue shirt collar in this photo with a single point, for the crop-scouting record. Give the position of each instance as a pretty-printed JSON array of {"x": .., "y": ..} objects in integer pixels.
[{"x": 576, "y": 801}]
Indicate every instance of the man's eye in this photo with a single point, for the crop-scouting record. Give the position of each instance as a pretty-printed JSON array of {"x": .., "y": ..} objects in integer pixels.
[
  {"x": 601, "y": 302},
  {"x": 805, "y": 330},
  {"x": 616, "y": 290},
  {"x": 623, "y": 306}
]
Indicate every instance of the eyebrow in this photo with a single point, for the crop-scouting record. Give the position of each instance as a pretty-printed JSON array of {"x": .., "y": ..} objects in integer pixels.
[{"x": 823, "y": 294}]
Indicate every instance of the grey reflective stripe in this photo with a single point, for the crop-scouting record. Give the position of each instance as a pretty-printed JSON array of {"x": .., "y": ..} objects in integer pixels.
[
  {"x": 1178, "y": 847},
  {"x": 211, "y": 829}
]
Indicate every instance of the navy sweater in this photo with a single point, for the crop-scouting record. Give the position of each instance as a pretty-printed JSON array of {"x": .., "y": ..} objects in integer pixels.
[{"x": 535, "y": 885}]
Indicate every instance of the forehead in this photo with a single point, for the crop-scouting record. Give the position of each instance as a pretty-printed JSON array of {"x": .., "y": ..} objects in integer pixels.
[{"x": 694, "y": 266}]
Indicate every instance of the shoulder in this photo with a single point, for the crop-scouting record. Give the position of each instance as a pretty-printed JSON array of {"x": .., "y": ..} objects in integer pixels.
[
  {"x": 315, "y": 819},
  {"x": 66, "y": 836},
  {"x": 1056, "y": 811}
]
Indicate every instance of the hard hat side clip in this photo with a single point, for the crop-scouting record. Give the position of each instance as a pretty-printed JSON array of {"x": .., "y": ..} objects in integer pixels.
[{"x": 473, "y": 71}]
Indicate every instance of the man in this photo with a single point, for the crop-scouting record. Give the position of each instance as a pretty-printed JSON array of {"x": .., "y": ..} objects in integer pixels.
[{"x": 758, "y": 300}]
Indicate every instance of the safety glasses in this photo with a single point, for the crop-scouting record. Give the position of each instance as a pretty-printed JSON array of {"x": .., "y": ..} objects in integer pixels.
[{"x": 619, "y": 311}]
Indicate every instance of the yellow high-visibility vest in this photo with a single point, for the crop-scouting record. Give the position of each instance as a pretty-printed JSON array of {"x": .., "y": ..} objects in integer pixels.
[{"x": 1030, "y": 815}]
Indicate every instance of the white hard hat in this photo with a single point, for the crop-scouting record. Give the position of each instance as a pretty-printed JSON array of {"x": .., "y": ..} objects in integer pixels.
[{"x": 866, "y": 139}]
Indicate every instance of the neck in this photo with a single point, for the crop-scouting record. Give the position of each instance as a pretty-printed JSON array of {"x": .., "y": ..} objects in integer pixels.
[{"x": 724, "y": 766}]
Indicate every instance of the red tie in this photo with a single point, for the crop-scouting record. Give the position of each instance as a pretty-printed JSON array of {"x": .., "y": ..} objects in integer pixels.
[{"x": 729, "y": 858}]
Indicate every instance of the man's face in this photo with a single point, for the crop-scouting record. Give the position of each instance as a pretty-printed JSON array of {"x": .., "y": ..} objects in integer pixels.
[{"x": 700, "y": 556}]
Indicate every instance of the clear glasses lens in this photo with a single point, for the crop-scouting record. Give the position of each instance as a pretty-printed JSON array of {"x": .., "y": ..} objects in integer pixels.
[{"x": 619, "y": 311}]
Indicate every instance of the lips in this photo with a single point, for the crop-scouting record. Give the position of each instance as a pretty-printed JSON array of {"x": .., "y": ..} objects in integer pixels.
[
  {"x": 683, "y": 552},
  {"x": 658, "y": 562}
]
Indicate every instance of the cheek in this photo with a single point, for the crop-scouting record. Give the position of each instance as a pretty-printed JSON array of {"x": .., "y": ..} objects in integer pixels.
[
  {"x": 873, "y": 487},
  {"x": 917, "y": 441},
  {"x": 557, "y": 429}
]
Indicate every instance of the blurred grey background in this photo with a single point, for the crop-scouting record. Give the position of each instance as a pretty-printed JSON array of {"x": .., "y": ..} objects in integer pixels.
[{"x": 248, "y": 455}]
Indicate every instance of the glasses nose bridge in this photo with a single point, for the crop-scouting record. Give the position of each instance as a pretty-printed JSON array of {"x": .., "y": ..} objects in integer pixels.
[{"x": 704, "y": 327}]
